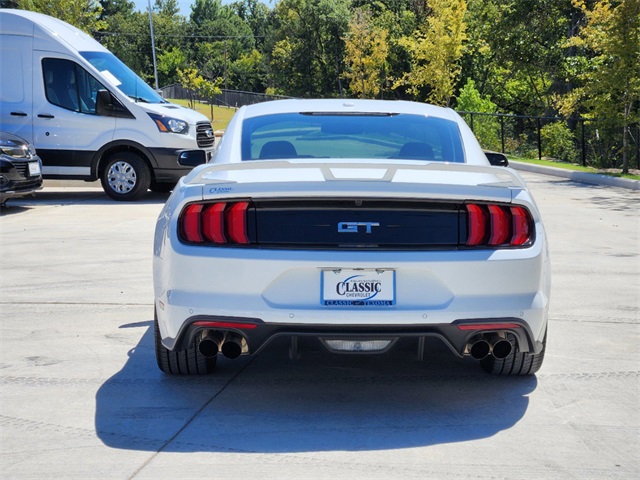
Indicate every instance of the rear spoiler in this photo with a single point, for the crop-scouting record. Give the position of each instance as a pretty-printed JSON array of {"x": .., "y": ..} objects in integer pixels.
[{"x": 356, "y": 171}]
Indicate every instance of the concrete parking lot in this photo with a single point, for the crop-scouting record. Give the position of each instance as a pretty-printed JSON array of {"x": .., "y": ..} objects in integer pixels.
[{"x": 82, "y": 397}]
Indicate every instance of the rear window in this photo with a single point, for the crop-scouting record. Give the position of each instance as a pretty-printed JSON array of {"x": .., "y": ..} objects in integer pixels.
[{"x": 353, "y": 135}]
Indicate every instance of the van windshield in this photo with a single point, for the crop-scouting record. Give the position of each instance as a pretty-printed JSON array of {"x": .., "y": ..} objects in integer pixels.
[{"x": 122, "y": 77}]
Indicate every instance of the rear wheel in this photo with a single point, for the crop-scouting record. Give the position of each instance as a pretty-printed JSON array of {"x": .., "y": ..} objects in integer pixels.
[
  {"x": 125, "y": 177},
  {"x": 181, "y": 362},
  {"x": 516, "y": 363}
]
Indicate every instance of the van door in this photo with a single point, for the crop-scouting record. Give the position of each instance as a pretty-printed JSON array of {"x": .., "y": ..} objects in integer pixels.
[
  {"x": 67, "y": 131},
  {"x": 16, "y": 78}
]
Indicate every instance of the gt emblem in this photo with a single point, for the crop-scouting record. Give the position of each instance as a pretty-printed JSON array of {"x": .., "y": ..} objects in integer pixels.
[{"x": 355, "y": 227}]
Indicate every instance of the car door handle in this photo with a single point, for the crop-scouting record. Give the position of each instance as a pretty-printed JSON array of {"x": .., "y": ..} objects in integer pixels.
[
  {"x": 18, "y": 114},
  {"x": 45, "y": 115}
]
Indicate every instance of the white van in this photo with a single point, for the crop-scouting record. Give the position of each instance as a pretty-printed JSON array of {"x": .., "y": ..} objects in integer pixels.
[{"x": 88, "y": 115}]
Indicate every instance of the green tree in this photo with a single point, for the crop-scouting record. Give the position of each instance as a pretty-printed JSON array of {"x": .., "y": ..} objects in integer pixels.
[
  {"x": 256, "y": 15},
  {"x": 435, "y": 49},
  {"x": 305, "y": 50},
  {"x": 113, "y": 7},
  {"x": 515, "y": 52},
  {"x": 366, "y": 51},
  {"x": 485, "y": 127},
  {"x": 558, "y": 142},
  {"x": 209, "y": 89},
  {"x": 84, "y": 14},
  {"x": 169, "y": 62},
  {"x": 192, "y": 81},
  {"x": 220, "y": 37},
  {"x": 167, "y": 7},
  {"x": 247, "y": 72},
  {"x": 610, "y": 81}
]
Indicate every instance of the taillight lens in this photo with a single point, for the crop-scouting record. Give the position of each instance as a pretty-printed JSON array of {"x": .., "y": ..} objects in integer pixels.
[
  {"x": 190, "y": 224},
  {"x": 237, "y": 223},
  {"x": 498, "y": 226},
  {"x": 221, "y": 223}
]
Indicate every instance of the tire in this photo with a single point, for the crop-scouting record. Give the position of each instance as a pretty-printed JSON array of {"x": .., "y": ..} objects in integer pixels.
[
  {"x": 125, "y": 177},
  {"x": 162, "y": 187},
  {"x": 181, "y": 362},
  {"x": 516, "y": 363}
]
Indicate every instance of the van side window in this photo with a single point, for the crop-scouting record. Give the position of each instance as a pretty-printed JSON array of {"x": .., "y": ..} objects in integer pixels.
[{"x": 70, "y": 86}]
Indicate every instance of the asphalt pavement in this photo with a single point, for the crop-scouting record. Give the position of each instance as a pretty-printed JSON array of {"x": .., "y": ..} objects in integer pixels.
[{"x": 82, "y": 398}]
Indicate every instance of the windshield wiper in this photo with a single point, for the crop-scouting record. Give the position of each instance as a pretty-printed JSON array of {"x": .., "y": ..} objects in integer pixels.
[{"x": 138, "y": 99}]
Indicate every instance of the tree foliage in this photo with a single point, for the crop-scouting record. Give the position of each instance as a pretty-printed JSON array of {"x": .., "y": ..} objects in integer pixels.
[
  {"x": 610, "y": 80},
  {"x": 435, "y": 49},
  {"x": 366, "y": 50},
  {"x": 84, "y": 14},
  {"x": 529, "y": 57},
  {"x": 485, "y": 127},
  {"x": 305, "y": 50}
]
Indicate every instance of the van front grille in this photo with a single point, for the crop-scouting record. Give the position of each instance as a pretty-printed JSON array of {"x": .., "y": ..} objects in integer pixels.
[{"x": 204, "y": 135}]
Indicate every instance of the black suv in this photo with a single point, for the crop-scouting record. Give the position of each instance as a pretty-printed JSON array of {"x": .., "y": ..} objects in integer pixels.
[{"x": 20, "y": 168}]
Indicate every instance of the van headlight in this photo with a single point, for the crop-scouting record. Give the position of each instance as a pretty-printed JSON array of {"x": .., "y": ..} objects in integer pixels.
[{"x": 168, "y": 124}]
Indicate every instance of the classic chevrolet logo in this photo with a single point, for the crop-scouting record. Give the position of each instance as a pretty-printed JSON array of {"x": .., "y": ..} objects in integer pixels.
[{"x": 355, "y": 227}]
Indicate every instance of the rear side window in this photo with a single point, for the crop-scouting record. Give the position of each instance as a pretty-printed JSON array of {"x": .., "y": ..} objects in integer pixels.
[
  {"x": 353, "y": 135},
  {"x": 70, "y": 86}
]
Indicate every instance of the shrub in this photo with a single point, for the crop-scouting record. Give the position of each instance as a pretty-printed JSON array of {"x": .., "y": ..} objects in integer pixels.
[{"x": 558, "y": 142}]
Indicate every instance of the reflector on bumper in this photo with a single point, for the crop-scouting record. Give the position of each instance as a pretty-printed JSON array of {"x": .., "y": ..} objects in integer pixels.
[{"x": 358, "y": 346}]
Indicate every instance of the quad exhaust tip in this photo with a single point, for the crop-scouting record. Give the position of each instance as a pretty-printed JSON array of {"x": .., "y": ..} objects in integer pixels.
[
  {"x": 486, "y": 345},
  {"x": 480, "y": 349},
  {"x": 501, "y": 349},
  {"x": 229, "y": 344},
  {"x": 232, "y": 346}
]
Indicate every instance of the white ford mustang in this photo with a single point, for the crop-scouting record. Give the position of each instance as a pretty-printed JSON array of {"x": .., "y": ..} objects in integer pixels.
[{"x": 356, "y": 222}]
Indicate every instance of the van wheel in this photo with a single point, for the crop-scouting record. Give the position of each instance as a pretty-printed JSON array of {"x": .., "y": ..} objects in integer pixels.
[{"x": 125, "y": 177}]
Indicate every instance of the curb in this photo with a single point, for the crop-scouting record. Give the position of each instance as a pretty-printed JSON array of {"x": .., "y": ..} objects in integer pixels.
[{"x": 582, "y": 177}]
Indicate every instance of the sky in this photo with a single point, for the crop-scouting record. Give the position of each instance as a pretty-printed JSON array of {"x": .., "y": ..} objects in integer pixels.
[{"x": 185, "y": 5}]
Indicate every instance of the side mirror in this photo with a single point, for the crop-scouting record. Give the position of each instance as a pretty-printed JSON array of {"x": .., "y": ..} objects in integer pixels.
[
  {"x": 192, "y": 158},
  {"x": 497, "y": 159},
  {"x": 107, "y": 105}
]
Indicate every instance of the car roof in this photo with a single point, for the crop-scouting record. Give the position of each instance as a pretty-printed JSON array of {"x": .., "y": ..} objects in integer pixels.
[{"x": 347, "y": 106}]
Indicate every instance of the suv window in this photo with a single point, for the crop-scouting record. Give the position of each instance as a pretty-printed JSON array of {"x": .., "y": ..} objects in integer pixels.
[{"x": 70, "y": 86}]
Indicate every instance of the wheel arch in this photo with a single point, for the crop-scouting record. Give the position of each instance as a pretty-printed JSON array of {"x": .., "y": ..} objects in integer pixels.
[{"x": 118, "y": 146}]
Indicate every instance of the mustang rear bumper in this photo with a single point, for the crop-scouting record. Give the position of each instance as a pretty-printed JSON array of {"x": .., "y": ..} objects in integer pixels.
[{"x": 257, "y": 334}]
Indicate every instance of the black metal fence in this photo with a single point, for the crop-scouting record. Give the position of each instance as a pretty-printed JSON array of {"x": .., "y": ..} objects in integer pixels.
[
  {"x": 576, "y": 140},
  {"x": 228, "y": 98}
]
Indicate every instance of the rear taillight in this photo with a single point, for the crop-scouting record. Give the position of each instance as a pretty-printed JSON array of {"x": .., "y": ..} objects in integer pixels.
[
  {"x": 221, "y": 223},
  {"x": 498, "y": 226}
]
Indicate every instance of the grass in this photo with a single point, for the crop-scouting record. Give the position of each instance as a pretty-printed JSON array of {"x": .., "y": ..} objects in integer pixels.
[
  {"x": 221, "y": 115},
  {"x": 573, "y": 166}
]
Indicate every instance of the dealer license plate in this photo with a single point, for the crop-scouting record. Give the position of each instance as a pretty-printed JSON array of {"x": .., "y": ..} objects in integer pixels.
[
  {"x": 368, "y": 288},
  {"x": 34, "y": 169}
]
